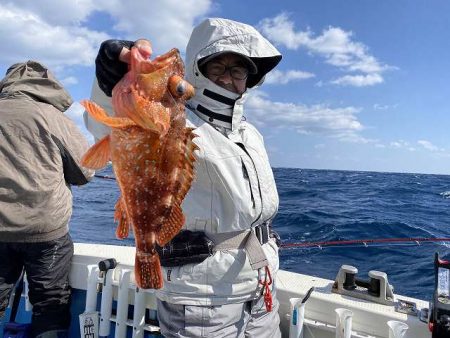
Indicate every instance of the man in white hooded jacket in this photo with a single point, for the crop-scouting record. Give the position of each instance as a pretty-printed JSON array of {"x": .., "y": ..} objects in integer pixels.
[{"x": 230, "y": 293}]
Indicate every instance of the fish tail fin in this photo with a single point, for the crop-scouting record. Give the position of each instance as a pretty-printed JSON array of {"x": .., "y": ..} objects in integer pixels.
[
  {"x": 100, "y": 115},
  {"x": 173, "y": 226},
  {"x": 120, "y": 216},
  {"x": 148, "y": 273},
  {"x": 98, "y": 155}
]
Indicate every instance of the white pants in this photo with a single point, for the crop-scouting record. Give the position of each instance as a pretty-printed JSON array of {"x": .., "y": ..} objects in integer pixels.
[{"x": 249, "y": 320}]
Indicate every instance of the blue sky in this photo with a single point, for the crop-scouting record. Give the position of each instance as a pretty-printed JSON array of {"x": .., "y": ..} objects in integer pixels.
[{"x": 363, "y": 84}]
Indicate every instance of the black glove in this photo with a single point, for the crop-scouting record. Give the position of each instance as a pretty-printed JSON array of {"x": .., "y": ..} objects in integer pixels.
[{"x": 108, "y": 68}]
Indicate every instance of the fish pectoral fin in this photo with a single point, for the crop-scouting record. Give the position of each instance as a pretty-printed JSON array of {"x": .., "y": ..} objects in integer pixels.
[
  {"x": 98, "y": 155},
  {"x": 120, "y": 216},
  {"x": 152, "y": 116},
  {"x": 100, "y": 115},
  {"x": 148, "y": 273},
  {"x": 175, "y": 222}
]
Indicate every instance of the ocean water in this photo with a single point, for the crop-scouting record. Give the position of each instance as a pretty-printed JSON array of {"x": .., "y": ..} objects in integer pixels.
[{"x": 327, "y": 205}]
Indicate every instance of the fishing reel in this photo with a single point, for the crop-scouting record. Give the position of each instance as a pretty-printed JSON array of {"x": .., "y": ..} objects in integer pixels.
[
  {"x": 439, "y": 322},
  {"x": 104, "y": 266}
]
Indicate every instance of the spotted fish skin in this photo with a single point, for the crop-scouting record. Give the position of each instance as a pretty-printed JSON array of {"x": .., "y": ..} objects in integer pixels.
[{"x": 152, "y": 154}]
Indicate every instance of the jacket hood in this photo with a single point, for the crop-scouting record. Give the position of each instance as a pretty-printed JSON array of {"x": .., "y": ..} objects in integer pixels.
[
  {"x": 220, "y": 107},
  {"x": 215, "y": 35},
  {"x": 36, "y": 81}
]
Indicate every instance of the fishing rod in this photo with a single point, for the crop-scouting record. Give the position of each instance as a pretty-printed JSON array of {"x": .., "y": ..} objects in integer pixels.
[
  {"x": 106, "y": 177},
  {"x": 364, "y": 242}
]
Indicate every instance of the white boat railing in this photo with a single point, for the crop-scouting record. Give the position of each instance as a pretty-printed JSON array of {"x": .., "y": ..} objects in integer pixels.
[
  {"x": 113, "y": 293},
  {"x": 116, "y": 284}
]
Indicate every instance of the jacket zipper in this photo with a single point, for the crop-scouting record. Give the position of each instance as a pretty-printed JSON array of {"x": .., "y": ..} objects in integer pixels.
[{"x": 241, "y": 145}]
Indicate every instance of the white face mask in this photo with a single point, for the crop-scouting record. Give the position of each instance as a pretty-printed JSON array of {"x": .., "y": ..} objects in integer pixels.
[{"x": 214, "y": 104}]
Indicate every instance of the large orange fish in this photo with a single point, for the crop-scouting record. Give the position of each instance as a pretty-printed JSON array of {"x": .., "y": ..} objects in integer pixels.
[{"x": 152, "y": 154}]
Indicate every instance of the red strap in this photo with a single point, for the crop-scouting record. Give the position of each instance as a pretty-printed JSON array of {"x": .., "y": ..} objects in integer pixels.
[{"x": 266, "y": 289}]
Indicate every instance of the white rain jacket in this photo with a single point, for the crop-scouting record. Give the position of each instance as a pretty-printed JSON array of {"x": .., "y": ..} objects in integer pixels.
[{"x": 234, "y": 187}]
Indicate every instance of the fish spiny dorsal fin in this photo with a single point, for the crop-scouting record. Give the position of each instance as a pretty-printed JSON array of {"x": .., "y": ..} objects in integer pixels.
[
  {"x": 98, "y": 155},
  {"x": 174, "y": 223},
  {"x": 187, "y": 165},
  {"x": 185, "y": 181}
]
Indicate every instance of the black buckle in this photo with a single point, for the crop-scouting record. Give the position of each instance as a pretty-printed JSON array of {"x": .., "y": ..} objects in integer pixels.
[{"x": 262, "y": 232}]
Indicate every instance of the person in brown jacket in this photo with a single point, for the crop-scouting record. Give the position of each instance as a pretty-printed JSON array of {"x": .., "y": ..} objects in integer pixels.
[{"x": 40, "y": 152}]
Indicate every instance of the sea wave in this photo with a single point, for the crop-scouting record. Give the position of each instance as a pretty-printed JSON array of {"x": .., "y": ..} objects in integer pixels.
[{"x": 445, "y": 194}]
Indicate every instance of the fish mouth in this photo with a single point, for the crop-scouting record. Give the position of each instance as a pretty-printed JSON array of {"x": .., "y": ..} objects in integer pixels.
[{"x": 141, "y": 65}]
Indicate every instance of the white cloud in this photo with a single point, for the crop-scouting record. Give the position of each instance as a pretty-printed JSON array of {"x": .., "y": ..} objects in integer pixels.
[
  {"x": 401, "y": 144},
  {"x": 62, "y": 33},
  {"x": 359, "y": 80},
  {"x": 167, "y": 23},
  {"x": 278, "y": 77},
  {"x": 398, "y": 144},
  {"x": 378, "y": 106},
  {"x": 334, "y": 44},
  {"x": 429, "y": 146},
  {"x": 422, "y": 144},
  {"x": 29, "y": 36},
  {"x": 61, "y": 13},
  {"x": 340, "y": 123},
  {"x": 69, "y": 81},
  {"x": 281, "y": 30}
]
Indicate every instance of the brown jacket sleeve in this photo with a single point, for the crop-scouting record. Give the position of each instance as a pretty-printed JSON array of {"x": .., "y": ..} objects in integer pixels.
[{"x": 72, "y": 144}]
